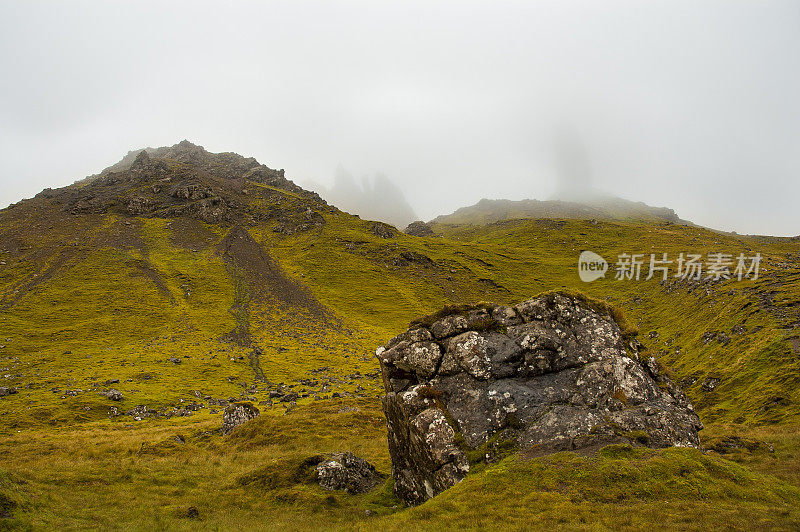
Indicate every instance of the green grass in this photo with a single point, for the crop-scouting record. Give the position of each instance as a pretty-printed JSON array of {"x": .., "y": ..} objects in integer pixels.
[
  {"x": 115, "y": 475},
  {"x": 121, "y": 311},
  {"x": 620, "y": 488}
]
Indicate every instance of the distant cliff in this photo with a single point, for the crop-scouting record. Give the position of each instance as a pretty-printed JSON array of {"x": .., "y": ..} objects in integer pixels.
[{"x": 375, "y": 198}]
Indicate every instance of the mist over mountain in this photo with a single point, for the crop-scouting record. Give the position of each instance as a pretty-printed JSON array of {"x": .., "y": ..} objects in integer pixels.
[
  {"x": 595, "y": 207},
  {"x": 374, "y": 197},
  {"x": 576, "y": 197},
  {"x": 573, "y": 169}
]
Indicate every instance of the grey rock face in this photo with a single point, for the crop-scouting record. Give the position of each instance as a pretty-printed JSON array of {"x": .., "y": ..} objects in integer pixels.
[
  {"x": 348, "y": 472},
  {"x": 5, "y": 390},
  {"x": 236, "y": 414},
  {"x": 549, "y": 374},
  {"x": 191, "y": 191}
]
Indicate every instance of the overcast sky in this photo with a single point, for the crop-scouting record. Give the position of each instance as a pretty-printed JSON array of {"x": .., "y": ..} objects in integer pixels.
[{"x": 691, "y": 105}]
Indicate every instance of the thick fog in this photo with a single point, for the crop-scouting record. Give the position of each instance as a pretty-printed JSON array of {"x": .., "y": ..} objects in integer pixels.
[{"x": 687, "y": 104}]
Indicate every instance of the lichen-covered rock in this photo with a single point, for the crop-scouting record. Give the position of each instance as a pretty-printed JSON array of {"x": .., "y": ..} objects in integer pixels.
[
  {"x": 552, "y": 373},
  {"x": 449, "y": 326},
  {"x": 236, "y": 414},
  {"x": 426, "y": 458},
  {"x": 346, "y": 471}
]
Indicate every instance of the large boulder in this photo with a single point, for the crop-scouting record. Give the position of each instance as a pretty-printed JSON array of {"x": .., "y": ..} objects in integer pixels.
[{"x": 552, "y": 373}]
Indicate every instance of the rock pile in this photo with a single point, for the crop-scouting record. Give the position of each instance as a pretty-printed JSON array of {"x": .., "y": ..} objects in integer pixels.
[{"x": 552, "y": 373}]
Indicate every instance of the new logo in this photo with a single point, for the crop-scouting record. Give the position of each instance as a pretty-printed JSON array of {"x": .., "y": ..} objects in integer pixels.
[{"x": 591, "y": 266}]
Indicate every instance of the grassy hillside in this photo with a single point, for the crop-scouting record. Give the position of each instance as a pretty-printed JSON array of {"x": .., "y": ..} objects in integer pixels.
[{"x": 185, "y": 313}]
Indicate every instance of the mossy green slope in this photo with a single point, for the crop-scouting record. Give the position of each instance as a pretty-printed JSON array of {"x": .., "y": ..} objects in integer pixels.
[
  {"x": 619, "y": 488},
  {"x": 89, "y": 298}
]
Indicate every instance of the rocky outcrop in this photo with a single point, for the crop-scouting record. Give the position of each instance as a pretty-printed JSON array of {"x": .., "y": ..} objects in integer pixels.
[
  {"x": 346, "y": 471},
  {"x": 382, "y": 230},
  {"x": 191, "y": 191},
  {"x": 552, "y": 373},
  {"x": 186, "y": 181},
  {"x": 236, "y": 414},
  {"x": 298, "y": 220},
  {"x": 419, "y": 228},
  {"x": 143, "y": 165},
  {"x": 225, "y": 165}
]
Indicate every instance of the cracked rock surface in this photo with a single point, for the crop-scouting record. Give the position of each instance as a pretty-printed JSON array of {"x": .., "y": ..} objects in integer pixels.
[{"x": 549, "y": 374}]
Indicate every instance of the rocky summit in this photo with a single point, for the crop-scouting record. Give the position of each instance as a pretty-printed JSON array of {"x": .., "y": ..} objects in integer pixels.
[
  {"x": 186, "y": 180},
  {"x": 553, "y": 373}
]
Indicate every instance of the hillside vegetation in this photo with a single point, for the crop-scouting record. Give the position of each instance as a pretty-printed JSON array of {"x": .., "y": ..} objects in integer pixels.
[{"x": 190, "y": 279}]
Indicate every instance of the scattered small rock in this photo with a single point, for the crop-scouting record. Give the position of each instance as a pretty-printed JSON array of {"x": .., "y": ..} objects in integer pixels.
[
  {"x": 710, "y": 383},
  {"x": 738, "y": 329},
  {"x": 290, "y": 397},
  {"x": 719, "y": 336}
]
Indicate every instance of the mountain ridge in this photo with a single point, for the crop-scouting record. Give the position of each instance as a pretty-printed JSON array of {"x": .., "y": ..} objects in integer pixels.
[
  {"x": 185, "y": 179},
  {"x": 599, "y": 207}
]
